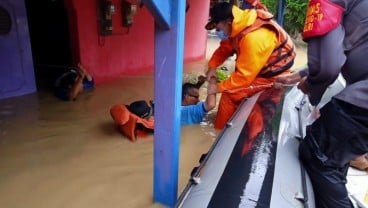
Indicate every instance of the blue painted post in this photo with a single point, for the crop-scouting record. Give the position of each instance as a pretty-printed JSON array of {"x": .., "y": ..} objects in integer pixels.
[
  {"x": 280, "y": 12},
  {"x": 169, "y": 49}
]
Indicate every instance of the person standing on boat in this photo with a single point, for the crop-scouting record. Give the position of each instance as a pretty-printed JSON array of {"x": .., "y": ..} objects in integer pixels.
[
  {"x": 337, "y": 35},
  {"x": 263, "y": 49}
]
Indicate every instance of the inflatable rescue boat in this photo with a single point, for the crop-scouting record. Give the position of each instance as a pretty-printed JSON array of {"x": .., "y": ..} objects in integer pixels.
[{"x": 254, "y": 160}]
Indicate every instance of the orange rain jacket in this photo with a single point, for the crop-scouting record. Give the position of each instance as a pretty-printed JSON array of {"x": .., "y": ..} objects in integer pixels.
[
  {"x": 258, "y": 41},
  {"x": 264, "y": 50}
]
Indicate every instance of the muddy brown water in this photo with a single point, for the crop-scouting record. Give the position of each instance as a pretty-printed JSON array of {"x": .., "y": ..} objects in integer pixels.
[{"x": 56, "y": 154}]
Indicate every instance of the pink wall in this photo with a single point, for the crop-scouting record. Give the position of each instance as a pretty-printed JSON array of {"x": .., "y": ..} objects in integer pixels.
[
  {"x": 128, "y": 51},
  {"x": 195, "y": 33}
]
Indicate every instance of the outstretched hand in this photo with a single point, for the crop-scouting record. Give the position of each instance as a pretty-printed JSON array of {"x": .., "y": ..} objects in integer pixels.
[
  {"x": 287, "y": 80},
  {"x": 201, "y": 80},
  {"x": 81, "y": 70},
  {"x": 303, "y": 86},
  {"x": 211, "y": 72}
]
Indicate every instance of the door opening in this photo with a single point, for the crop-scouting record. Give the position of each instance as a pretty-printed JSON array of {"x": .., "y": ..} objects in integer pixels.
[{"x": 50, "y": 39}]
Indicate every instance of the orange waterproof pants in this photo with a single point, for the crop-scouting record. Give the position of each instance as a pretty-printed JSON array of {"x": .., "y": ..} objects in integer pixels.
[{"x": 230, "y": 100}]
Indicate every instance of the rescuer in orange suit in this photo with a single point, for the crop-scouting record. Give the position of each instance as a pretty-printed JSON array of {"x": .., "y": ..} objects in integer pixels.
[{"x": 263, "y": 49}]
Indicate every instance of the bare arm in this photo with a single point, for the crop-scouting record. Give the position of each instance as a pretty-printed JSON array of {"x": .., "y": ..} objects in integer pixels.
[
  {"x": 292, "y": 78},
  {"x": 84, "y": 72},
  {"x": 210, "y": 102},
  {"x": 224, "y": 51}
]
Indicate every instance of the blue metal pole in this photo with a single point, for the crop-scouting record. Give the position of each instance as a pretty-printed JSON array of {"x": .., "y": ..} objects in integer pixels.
[
  {"x": 280, "y": 12},
  {"x": 169, "y": 49}
]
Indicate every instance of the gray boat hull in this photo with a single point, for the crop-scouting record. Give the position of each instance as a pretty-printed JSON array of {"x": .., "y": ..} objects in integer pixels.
[{"x": 254, "y": 161}]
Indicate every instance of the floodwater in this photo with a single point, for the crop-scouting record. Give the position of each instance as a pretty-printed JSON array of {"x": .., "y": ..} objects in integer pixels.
[{"x": 69, "y": 154}]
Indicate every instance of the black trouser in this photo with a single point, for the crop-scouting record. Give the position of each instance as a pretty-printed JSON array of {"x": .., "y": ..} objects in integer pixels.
[{"x": 332, "y": 141}]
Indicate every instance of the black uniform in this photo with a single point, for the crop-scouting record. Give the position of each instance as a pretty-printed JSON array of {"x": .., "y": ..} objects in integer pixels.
[{"x": 341, "y": 132}]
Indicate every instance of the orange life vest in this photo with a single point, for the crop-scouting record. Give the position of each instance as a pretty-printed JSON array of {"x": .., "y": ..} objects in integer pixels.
[
  {"x": 282, "y": 57},
  {"x": 127, "y": 121}
]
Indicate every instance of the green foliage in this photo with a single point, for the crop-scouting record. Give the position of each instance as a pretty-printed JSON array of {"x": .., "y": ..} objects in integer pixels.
[{"x": 294, "y": 14}]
